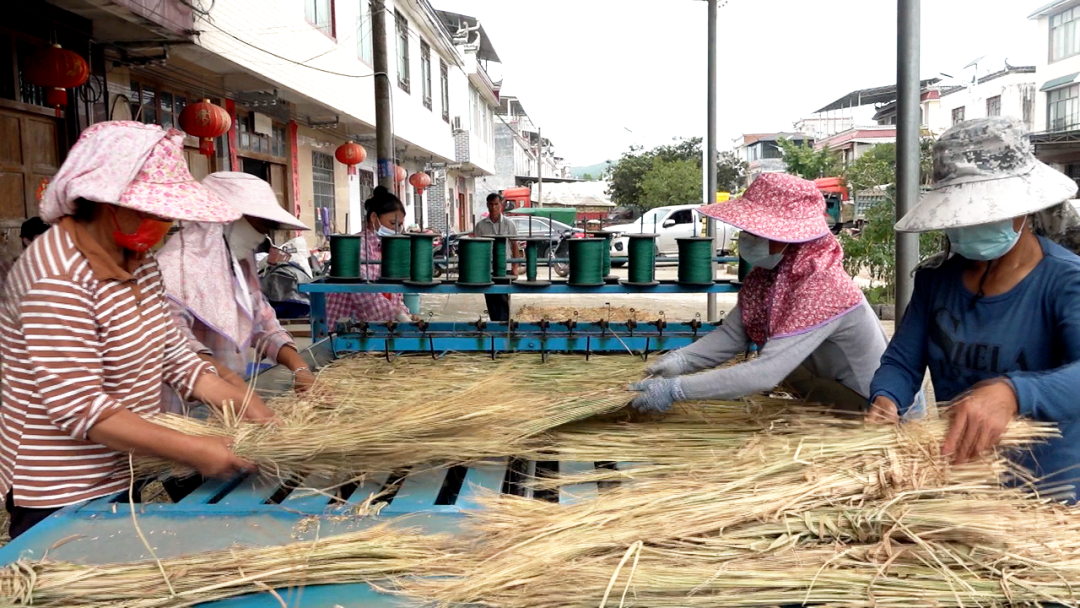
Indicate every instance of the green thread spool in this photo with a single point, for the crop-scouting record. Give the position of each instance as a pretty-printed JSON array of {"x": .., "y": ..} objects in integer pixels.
[
  {"x": 607, "y": 236},
  {"x": 422, "y": 262},
  {"x": 498, "y": 258},
  {"x": 396, "y": 258},
  {"x": 474, "y": 261},
  {"x": 587, "y": 262},
  {"x": 641, "y": 250},
  {"x": 695, "y": 260},
  {"x": 344, "y": 256},
  {"x": 532, "y": 255}
]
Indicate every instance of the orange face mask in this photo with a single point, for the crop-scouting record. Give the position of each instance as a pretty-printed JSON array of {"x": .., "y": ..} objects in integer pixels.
[{"x": 148, "y": 234}]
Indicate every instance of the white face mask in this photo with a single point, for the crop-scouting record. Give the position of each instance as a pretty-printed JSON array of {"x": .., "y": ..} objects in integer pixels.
[
  {"x": 384, "y": 231},
  {"x": 755, "y": 250},
  {"x": 243, "y": 239}
]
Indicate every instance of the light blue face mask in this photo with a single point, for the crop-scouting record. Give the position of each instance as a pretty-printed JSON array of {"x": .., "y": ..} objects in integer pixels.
[
  {"x": 755, "y": 250},
  {"x": 384, "y": 231},
  {"x": 984, "y": 242}
]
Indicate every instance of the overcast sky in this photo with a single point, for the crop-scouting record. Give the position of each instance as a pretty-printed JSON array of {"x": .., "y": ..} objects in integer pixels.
[{"x": 599, "y": 75}]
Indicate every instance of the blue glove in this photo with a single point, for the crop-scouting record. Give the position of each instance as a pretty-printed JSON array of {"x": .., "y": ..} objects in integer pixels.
[{"x": 657, "y": 394}]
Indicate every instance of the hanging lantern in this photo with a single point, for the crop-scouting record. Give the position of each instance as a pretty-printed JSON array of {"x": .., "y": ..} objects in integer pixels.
[
  {"x": 56, "y": 70},
  {"x": 207, "y": 122},
  {"x": 400, "y": 174},
  {"x": 420, "y": 181},
  {"x": 351, "y": 154}
]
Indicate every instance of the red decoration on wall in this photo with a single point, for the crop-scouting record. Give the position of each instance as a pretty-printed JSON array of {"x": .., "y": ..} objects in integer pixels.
[
  {"x": 350, "y": 154},
  {"x": 420, "y": 181},
  {"x": 207, "y": 122},
  {"x": 56, "y": 69},
  {"x": 400, "y": 174}
]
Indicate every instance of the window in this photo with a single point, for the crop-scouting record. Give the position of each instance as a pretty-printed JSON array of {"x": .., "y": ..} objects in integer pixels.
[
  {"x": 958, "y": 115},
  {"x": 1064, "y": 109},
  {"x": 320, "y": 13},
  {"x": 150, "y": 105},
  {"x": 444, "y": 86},
  {"x": 402, "y": 51},
  {"x": 772, "y": 151},
  {"x": 425, "y": 72},
  {"x": 1064, "y": 39},
  {"x": 683, "y": 216},
  {"x": 322, "y": 178},
  {"x": 363, "y": 33},
  {"x": 993, "y": 106},
  {"x": 248, "y": 139}
]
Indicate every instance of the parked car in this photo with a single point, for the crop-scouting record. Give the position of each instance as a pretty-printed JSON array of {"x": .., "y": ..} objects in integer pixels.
[
  {"x": 541, "y": 226},
  {"x": 670, "y": 223}
]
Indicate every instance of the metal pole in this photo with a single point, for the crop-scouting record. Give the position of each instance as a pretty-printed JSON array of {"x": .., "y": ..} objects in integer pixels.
[
  {"x": 539, "y": 168},
  {"x": 909, "y": 91},
  {"x": 384, "y": 134},
  {"x": 710, "y": 155}
]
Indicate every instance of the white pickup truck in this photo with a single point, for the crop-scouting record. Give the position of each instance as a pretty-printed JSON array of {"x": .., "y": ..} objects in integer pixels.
[{"x": 670, "y": 223}]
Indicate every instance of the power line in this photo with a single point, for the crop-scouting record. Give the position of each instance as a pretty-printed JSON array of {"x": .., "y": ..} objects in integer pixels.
[{"x": 286, "y": 59}]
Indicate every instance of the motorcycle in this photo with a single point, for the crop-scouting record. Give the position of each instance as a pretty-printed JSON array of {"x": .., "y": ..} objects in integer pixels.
[{"x": 445, "y": 254}]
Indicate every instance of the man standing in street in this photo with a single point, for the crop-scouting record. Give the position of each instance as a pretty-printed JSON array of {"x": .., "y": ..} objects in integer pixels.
[{"x": 497, "y": 224}]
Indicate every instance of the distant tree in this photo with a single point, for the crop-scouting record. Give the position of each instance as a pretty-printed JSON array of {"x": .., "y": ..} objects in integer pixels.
[
  {"x": 730, "y": 172},
  {"x": 588, "y": 177},
  {"x": 671, "y": 182},
  {"x": 807, "y": 162},
  {"x": 626, "y": 176}
]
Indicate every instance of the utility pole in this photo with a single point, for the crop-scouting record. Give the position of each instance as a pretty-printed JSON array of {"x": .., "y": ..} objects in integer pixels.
[
  {"x": 384, "y": 134},
  {"x": 539, "y": 168},
  {"x": 710, "y": 155},
  {"x": 909, "y": 90}
]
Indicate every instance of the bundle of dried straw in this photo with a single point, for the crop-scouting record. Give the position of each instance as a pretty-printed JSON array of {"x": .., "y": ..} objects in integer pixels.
[
  {"x": 372, "y": 555},
  {"x": 370, "y": 416},
  {"x": 815, "y": 510}
]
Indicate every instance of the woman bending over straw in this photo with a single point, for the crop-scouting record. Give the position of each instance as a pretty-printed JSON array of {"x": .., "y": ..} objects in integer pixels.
[{"x": 815, "y": 331}]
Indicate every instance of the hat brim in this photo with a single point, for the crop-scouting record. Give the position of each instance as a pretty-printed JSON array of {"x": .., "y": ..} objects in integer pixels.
[
  {"x": 283, "y": 219},
  {"x": 181, "y": 201},
  {"x": 745, "y": 215},
  {"x": 975, "y": 203}
]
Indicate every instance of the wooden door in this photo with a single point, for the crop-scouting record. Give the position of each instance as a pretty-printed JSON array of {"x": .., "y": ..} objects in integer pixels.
[{"x": 29, "y": 155}]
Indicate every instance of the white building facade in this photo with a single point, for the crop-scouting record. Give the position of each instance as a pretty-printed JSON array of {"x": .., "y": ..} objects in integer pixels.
[{"x": 1007, "y": 92}]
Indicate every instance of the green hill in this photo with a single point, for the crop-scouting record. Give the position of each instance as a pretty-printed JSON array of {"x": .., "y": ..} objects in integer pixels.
[{"x": 594, "y": 170}]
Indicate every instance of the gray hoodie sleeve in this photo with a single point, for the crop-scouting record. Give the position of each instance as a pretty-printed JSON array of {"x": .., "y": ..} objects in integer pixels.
[
  {"x": 776, "y": 360},
  {"x": 719, "y": 346}
]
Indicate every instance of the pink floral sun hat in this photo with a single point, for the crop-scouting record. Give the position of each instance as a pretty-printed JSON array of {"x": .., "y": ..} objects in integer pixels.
[
  {"x": 132, "y": 165},
  {"x": 778, "y": 207}
]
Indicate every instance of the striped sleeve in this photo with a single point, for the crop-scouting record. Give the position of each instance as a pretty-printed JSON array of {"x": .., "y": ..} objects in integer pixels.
[
  {"x": 181, "y": 366},
  {"x": 65, "y": 355},
  {"x": 269, "y": 336},
  {"x": 184, "y": 321}
]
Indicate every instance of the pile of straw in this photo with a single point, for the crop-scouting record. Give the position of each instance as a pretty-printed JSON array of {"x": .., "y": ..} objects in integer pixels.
[
  {"x": 372, "y": 555},
  {"x": 371, "y": 416},
  {"x": 810, "y": 510}
]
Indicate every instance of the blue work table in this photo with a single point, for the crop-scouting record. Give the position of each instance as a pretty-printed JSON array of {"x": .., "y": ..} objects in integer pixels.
[{"x": 223, "y": 514}]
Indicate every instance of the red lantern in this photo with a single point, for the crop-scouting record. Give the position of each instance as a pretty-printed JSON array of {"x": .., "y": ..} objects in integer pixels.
[
  {"x": 351, "y": 154},
  {"x": 56, "y": 69},
  {"x": 400, "y": 174},
  {"x": 420, "y": 181},
  {"x": 207, "y": 122}
]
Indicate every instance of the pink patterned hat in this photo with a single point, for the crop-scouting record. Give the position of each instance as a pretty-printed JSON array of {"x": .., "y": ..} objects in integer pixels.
[
  {"x": 778, "y": 207},
  {"x": 134, "y": 165},
  {"x": 164, "y": 187}
]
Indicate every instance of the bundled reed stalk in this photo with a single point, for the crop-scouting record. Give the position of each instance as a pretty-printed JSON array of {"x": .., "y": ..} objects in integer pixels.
[
  {"x": 383, "y": 417},
  {"x": 371, "y": 555},
  {"x": 824, "y": 511}
]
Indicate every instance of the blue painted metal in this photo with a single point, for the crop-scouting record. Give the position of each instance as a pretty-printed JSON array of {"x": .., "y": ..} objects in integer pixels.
[{"x": 556, "y": 287}]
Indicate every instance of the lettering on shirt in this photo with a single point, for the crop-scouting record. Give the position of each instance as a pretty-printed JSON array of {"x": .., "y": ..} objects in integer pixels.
[{"x": 969, "y": 362}]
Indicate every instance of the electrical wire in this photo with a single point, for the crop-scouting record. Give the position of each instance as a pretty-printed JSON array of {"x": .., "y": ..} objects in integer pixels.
[{"x": 286, "y": 59}]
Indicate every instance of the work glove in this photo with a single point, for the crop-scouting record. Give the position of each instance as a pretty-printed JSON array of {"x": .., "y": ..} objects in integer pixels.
[
  {"x": 657, "y": 394},
  {"x": 669, "y": 366}
]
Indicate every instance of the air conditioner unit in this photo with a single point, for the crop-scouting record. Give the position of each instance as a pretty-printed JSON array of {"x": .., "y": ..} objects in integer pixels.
[{"x": 457, "y": 123}]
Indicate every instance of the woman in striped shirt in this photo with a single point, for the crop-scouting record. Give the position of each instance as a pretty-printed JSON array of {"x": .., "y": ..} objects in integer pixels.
[{"x": 85, "y": 330}]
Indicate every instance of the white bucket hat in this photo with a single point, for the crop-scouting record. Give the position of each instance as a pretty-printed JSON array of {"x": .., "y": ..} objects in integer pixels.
[
  {"x": 251, "y": 196},
  {"x": 984, "y": 172}
]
